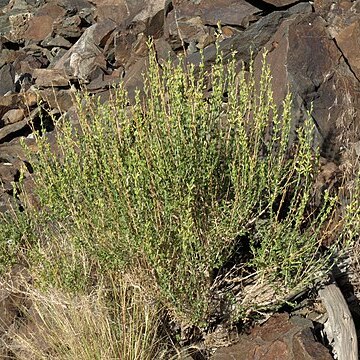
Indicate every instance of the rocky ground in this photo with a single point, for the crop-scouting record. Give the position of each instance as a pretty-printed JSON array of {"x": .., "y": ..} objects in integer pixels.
[{"x": 49, "y": 48}]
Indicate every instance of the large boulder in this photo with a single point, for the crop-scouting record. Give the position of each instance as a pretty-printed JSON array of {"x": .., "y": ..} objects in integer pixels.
[{"x": 307, "y": 62}]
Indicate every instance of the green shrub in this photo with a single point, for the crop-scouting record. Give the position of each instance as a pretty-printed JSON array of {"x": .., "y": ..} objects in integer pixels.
[
  {"x": 169, "y": 185},
  {"x": 16, "y": 229}
]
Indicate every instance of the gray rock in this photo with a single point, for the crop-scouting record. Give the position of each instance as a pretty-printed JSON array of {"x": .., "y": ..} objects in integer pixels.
[
  {"x": 18, "y": 25},
  {"x": 125, "y": 42},
  {"x": 84, "y": 57},
  {"x": 75, "y": 5},
  {"x": 57, "y": 41},
  {"x": 4, "y": 24},
  {"x": 7, "y": 76},
  {"x": 11, "y": 152},
  {"x": 69, "y": 27},
  {"x": 4, "y": 3}
]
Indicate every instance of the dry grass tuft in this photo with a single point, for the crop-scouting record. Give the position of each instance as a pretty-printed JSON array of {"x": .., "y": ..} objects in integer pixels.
[{"x": 83, "y": 327}]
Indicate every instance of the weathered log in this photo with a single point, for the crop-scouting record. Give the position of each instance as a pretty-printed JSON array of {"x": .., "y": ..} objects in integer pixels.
[{"x": 341, "y": 323}]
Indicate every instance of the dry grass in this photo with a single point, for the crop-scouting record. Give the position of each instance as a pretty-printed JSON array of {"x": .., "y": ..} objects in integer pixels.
[{"x": 83, "y": 327}]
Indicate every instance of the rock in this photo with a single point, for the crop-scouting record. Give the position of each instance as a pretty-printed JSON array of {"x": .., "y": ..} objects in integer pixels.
[
  {"x": 348, "y": 42},
  {"x": 254, "y": 37},
  {"x": 148, "y": 11},
  {"x": 163, "y": 50},
  {"x": 57, "y": 41},
  {"x": 50, "y": 77},
  {"x": 7, "y": 103},
  {"x": 192, "y": 31},
  {"x": 7, "y": 76},
  {"x": 278, "y": 339},
  {"x": 322, "y": 6},
  {"x": 61, "y": 99},
  {"x": 58, "y": 54},
  {"x": 69, "y": 27},
  {"x": 274, "y": 328},
  {"x": 155, "y": 26},
  {"x": 338, "y": 14},
  {"x": 84, "y": 57},
  {"x": 278, "y": 350},
  {"x": 327, "y": 84},
  {"x": 53, "y": 10},
  {"x": 186, "y": 22},
  {"x": 125, "y": 11},
  {"x": 243, "y": 350},
  {"x": 102, "y": 81},
  {"x": 233, "y": 12},
  {"x": 228, "y": 31},
  {"x": 23, "y": 82},
  {"x": 13, "y": 115},
  {"x": 13, "y": 130},
  {"x": 102, "y": 31},
  {"x": 336, "y": 108},
  {"x": 8, "y": 174},
  {"x": 133, "y": 78},
  {"x": 308, "y": 37},
  {"x": 7, "y": 202},
  {"x": 280, "y": 3},
  {"x": 18, "y": 26},
  {"x": 29, "y": 98},
  {"x": 12, "y": 152},
  {"x": 10, "y": 100},
  {"x": 124, "y": 42},
  {"x": 8, "y": 56},
  {"x": 4, "y": 25},
  {"x": 3, "y": 111},
  {"x": 75, "y": 5},
  {"x": 39, "y": 27},
  {"x": 114, "y": 10},
  {"x": 306, "y": 348},
  {"x": 4, "y": 3},
  {"x": 26, "y": 62}
]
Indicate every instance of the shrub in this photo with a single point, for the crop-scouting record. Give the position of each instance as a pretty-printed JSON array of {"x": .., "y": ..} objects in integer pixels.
[{"x": 174, "y": 184}]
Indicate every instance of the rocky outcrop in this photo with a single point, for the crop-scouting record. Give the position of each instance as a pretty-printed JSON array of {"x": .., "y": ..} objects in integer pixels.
[{"x": 313, "y": 50}]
